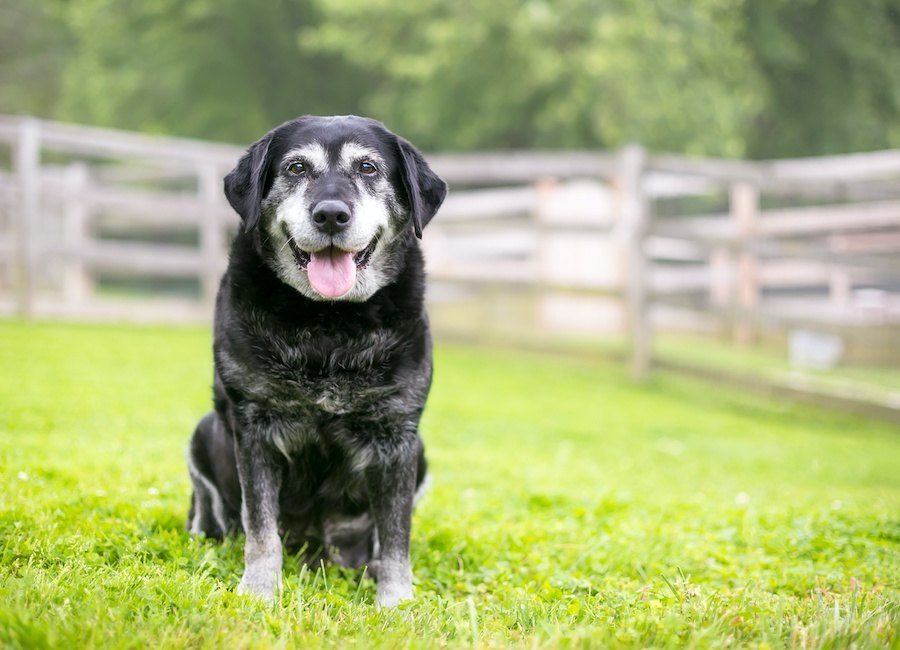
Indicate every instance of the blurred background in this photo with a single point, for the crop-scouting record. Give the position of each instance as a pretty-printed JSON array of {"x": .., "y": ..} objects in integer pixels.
[{"x": 707, "y": 186}]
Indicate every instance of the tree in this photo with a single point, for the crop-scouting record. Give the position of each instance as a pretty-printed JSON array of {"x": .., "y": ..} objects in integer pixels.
[
  {"x": 709, "y": 77},
  {"x": 568, "y": 73},
  {"x": 34, "y": 45},
  {"x": 216, "y": 69},
  {"x": 831, "y": 75}
]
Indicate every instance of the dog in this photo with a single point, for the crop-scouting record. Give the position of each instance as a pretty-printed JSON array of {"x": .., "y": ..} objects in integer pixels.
[{"x": 323, "y": 355}]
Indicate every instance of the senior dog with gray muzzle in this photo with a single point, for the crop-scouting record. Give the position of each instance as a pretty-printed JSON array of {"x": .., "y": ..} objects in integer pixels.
[{"x": 322, "y": 355}]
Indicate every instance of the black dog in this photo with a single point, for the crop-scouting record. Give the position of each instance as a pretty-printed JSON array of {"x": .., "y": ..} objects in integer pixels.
[{"x": 322, "y": 354}]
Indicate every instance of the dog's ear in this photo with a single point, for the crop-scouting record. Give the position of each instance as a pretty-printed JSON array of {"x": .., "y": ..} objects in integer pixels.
[
  {"x": 424, "y": 189},
  {"x": 245, "y": 185}
]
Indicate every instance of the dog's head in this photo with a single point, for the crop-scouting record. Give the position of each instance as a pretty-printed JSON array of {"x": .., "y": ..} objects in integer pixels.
[{"x": 331, "y": 197}]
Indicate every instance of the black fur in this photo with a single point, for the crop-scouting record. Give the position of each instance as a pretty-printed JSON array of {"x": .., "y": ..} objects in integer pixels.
[{"x": 316, "y": 403}]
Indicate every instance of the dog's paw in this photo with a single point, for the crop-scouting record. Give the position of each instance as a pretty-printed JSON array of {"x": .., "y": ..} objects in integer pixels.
[
  {"x": 265, "y": 585},
  {"x": 391, "y": 595}
]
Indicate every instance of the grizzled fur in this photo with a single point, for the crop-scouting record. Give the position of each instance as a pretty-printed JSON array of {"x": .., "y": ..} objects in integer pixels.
[{"x": 314, "y": 434}]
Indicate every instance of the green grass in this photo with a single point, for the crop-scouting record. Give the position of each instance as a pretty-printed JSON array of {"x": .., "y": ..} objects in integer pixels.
[
  {"x": 569, "y": 509},
  {"x": 876, "y": 383}
]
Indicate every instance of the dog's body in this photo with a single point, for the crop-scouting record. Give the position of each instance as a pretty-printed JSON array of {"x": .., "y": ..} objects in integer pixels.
[{"x": 322, "y": 354}]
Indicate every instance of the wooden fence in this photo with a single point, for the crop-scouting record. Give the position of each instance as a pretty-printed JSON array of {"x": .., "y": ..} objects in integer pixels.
[
  {"x": 94, "y": 222},
  {"x": 778, "y": 245},
  {"x": 73, "y": 200}
]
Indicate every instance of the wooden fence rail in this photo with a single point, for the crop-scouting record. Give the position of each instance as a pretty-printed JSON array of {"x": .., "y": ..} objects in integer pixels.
[{"x": 534, "y": 243}]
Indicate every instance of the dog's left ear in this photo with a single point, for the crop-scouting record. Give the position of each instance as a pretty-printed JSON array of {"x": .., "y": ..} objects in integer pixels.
[
  {"x": 424, "y": 189},
  {"x": 245, "y": 185}
]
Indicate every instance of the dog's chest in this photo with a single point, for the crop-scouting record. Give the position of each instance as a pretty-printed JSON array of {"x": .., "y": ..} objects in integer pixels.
[{"x": 335, "y": 375}]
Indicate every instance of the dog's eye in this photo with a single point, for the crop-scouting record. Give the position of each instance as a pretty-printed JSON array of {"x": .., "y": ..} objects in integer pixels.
[
  {"x": 297, "y": 168},
  {"x": 367, "y": 168}
]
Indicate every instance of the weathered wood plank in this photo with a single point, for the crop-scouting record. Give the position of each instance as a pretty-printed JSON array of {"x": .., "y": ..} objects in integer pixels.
[
  {"x": 94, "y": 141},
  {"x": 818, "y": 313},
  {"x": 26, "y": 166},
  {"x": 841, "y": 168},
  {"x": 164, "y": 209},
  {"x": 491, "y": 168},
  {"x": 636, "y": 218},
  {"x": 825, "y": 219},
  {"x": 787, "y": 222},
  {"x": 76, "y": 232},
  {"x": 212, "y": 236},
  {"x": 782, "y": 273},
  {"x": 494, "y": 203},
  {"x": 711, "y": 169},
  {"x": 142, "y": 259},
  {"x": 821, "y": 171},
  {"x": 714, "y": 229},
  {"x": 127, "y": 310},
  {"x": 674, "y": 249}
]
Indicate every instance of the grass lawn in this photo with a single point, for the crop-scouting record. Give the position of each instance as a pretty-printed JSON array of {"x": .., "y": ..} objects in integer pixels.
[
  {"x": 880, "y": 384},
  {"x": 569, "y": 508}
]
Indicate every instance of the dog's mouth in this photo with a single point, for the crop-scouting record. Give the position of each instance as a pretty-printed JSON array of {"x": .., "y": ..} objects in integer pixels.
[
  {"x": 332, "y": 270},
  {"x": 360, "y": 258}
]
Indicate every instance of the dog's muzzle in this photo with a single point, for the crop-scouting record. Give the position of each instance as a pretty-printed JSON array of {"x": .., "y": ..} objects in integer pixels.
[{"x": 332, "y": 270}]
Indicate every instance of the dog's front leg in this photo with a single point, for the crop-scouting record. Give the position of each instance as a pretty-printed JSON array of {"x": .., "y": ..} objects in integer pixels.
[
  {"x": 391, "y": 489},
  {"x": 260, "y": 480}
]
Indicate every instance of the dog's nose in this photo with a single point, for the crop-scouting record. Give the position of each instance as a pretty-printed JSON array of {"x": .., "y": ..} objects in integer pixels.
[{"x": 331, "y": 216}]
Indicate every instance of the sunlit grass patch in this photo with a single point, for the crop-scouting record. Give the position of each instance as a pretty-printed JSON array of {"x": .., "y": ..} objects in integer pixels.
[{"x": 569, "y": 508}]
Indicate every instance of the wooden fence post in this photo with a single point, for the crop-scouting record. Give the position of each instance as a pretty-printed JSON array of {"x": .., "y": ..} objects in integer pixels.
[
  {"x": 544, "y": 191},
  {"x": 77, "y": 284},
  {"x": 840, "y": 286},
  {"x": 721, "y": 275},
  {"x": 744, "y": 202},
  {"x": 27, "y": 167},
  {"x": 634, "y": 219},
  {"x": 212, "y": 239}
]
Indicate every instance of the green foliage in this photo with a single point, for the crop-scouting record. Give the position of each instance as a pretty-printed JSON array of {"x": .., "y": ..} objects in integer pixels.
[
  {"x": 713, "y": 77},
  {"x": 569, "y": 73},
  {"x": 34, "y": 44},
  {"x": 831, "y": 71},
  {"x": 219, "y": 70},
  {"x": 569, "y": 509}
]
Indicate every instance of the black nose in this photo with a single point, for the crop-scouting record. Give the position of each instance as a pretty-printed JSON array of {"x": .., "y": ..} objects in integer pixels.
[{"x": 331, "y": 216}]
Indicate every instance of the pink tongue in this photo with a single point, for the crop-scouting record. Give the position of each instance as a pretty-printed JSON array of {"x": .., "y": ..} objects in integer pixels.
[{"x": 332, "y": 272}]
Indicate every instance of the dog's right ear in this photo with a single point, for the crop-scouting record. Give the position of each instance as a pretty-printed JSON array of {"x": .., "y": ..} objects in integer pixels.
[{"x": 245, "y": 185}]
